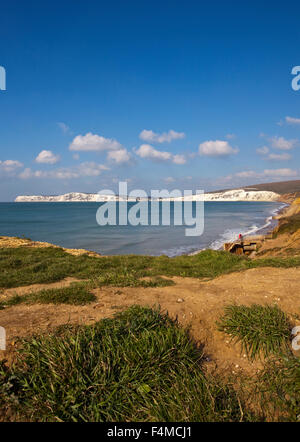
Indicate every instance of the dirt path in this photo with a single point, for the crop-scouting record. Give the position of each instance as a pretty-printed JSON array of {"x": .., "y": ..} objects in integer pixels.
[{"x": 196, "y": 303}]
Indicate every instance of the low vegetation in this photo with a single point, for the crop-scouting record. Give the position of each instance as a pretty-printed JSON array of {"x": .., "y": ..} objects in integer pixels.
[
  {"x": 76, "y": 294},
  {"x": 141, "y": 366},
  {"x": 260, "y": 329},
  {"x": 288, "y": 225},
  {"x": 278, "y": 388},
  {"x": 264, "y": 330},
  {"x": 138, "y": 366},
  {"x": 25, "y": 266}
]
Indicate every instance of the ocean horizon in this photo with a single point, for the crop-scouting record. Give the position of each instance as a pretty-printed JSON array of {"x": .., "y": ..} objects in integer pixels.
[{"x": 74, "y": 225}]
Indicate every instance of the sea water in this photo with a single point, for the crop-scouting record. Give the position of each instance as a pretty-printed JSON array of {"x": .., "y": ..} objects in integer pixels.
[{"x": 74, "y": 225}]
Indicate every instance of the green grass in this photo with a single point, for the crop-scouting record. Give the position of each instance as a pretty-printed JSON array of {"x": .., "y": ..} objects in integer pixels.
[
  {"x": 76, "y": 294},
  {"x": 138, "y": 366},
  {"x": 260, "y": 329},
  {"x": 21, "y": 267},
  {"x": 278, "y": 388}
]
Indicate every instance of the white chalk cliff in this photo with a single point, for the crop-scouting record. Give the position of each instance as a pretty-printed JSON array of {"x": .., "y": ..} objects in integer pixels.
[
  {"x": 229, "y": 195},
  {"x": 237, "y": 195}
]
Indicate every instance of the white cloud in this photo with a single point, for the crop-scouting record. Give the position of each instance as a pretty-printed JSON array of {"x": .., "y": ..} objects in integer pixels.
[
  {"x": 147, "y": 151},
  {"x": 216, "y": 148},
  {"x": 93, "y": 142},
  {"x": 26, "y": 173},
  {"x": 59, "y": 174},
  {"x": 279, "y": 157},
  {"x": 246, "y": 174},
  {"x": 91, "y": 169},
  {"x": 179, "y": 159},
  {"x": 64, "y": 127},
  {"x": 273, "y": 156},
  {"x": 87, "y": 169},
  {"x": 262, "y": 150},
  {"x": 274, "y": 173},
  {"x": 280, "y": 172},
  {"x": 47, "y": 157},
  {"x": 9, "y": 166},
  {"x": 119, "y": 156},
  {"x": 165, "y": 137},
  {"x": 283, "y": 143},
  {"x": 291, "y": 120},
  {"x": 76, "y": 156},
  {"x": 169, "y": 179},
  {"x": 230, "y": 136}
]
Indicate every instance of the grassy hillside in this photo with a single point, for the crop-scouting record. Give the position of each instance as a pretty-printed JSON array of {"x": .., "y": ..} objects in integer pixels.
[
  {"x": 25, "y": 266},
  {"x": 140, "y": 365},
  {"x": 282, "y": 187}
]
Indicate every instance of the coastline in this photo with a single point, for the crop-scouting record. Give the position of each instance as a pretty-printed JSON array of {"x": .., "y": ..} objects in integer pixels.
[
  {"x": 271, "y": 221},
  {"x": 269, "y": 226},
  {"x": 74, "y": 227},
  {"x": 283, "y": 240},
  {"x": 192, "y": 290}
]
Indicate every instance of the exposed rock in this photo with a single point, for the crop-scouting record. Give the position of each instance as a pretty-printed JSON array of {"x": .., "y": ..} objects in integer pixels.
[{"x": 229, "y": 195}]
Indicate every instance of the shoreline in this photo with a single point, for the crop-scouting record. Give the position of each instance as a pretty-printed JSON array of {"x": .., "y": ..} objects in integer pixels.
[
  {"x": 274, "y": 216},
  {"x": 282, "y": 240},
  {"x": 14, "y": 241}
]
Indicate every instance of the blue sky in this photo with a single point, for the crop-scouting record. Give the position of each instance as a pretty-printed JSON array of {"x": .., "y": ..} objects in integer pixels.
[{"x": 164, "y": 94}]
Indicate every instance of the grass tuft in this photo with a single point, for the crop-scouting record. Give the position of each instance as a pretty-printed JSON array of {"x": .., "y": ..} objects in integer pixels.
[
  {"x": 260, "y": 329},
  {"x": 278, "y": 388},
  {"x": 76, "y": 294}
]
